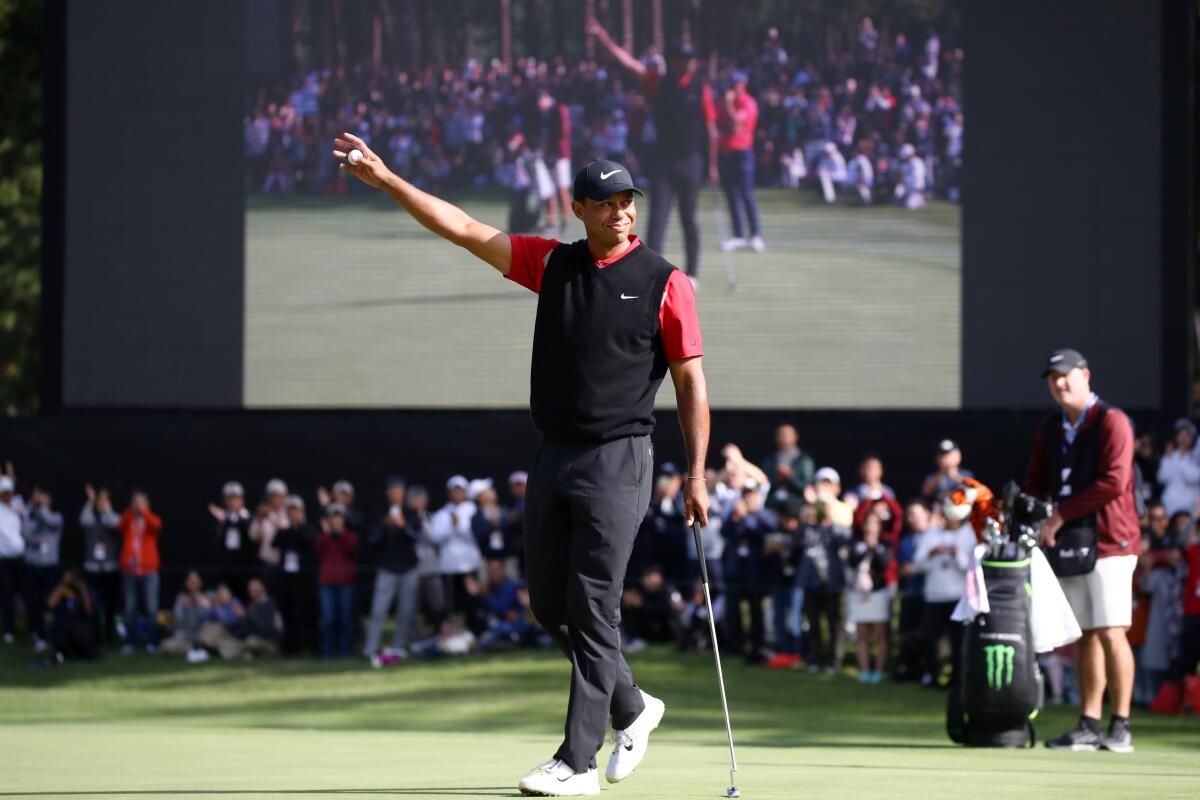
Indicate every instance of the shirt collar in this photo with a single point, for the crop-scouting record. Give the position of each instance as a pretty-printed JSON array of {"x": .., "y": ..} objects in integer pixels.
[
  {"x": 1070, "y": 431},
  {"x": 633, "y": 243}
]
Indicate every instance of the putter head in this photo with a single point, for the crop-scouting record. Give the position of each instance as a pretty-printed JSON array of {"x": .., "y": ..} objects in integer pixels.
[{"x": 732, "y": 791}]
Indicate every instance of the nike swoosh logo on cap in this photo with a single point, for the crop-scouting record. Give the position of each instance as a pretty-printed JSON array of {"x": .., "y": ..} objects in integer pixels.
[{"x": 606, "y": 175}]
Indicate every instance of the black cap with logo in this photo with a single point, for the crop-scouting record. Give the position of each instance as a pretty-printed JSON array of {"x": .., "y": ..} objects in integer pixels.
[
  {"x": 602, "y": 178},
  {"x": 1063, "y": 361}
]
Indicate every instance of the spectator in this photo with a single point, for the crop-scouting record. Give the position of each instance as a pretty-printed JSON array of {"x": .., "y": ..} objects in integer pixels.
[
  {"x": 223, "y": 624},
  {"x": 650, "y": 611},
  {"x": 343, "y": 494},
  {"x": 553, "y": 121},
  {"x": 822, "y": 577},
  {"x": 101, "y": 548},
  {"x": 826, "y": 491},
  {"x": 949, "y": 472},
  {"x": 297, "y": 586},
  {"x": 397, "y": 576},
  {"x": 782, "y": 554},
  {"x": 517, "y": 483},
  {"x": 711, "y": 539},
  {"x": 877, "y": 498},
  {"x": 140, "y": 530},
  {"x": 1190, "y": 644},
  {"x": 507, "y": 618},
  {"x": 911, "y": 587},
  {"x": 336, "y": 548},
  {"x": 263, "y": 624},
  {"x": 912, "y": 186},
  {"x": 942, "y": 555},
  {"x": 75, "y": 629},
  {"x": 41, "y": 571},
  {"x": 270, "y": 517},
  {"x": 831, "y": 171},
  {"x": 12, "y": 550},
  {"x": 489, "y": 522},
  {"x": 695, "y": 633},
  {"x": 871, "y": 485},
  {"x": 789, "y": 469},
  {"x": 191, "y": 610},
  {"x": 665, "y": 528},
  {"x": 235, "y": 554},
  {"x": 431, "y": 587},
  {"x": 868, "y": 598},
  {"x": 1162, "y": 582},
  {"x": 745, "y": 534},
  {"x": 737, "y": 118},
  {"x": 1179, "y": 470},
  {"x": 458, "y": 556}
]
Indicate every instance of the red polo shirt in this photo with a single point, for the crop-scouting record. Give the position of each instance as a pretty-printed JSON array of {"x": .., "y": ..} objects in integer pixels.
[{"x": 678, "y": 322}]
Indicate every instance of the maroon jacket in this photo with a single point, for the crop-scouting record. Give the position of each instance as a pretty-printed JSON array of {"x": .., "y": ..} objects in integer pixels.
[
  {"x": 1110, "y": 495},
  {"x": 336, "y": 557}
]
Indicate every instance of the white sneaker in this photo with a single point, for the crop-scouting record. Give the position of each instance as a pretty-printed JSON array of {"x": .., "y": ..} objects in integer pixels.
[
  {"x": 40, "y": 645},
  {"x": 757, "y": 244},
  {"x": 632, "y": 742},
  {"x": 736, "y": 243},
  {"x": 554, "y": 778}
]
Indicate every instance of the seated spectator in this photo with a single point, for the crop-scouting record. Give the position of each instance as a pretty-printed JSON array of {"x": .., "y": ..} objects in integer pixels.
[
  {"x": 1179, "y": 470},
  {"x": 41, "y": 572},
  {"x": 101, "y": 547},
  {"x": 223, "y": 625},
  {"x": 943, "y": 556},
  {"x": 745, "y": 532},
  {"x": 451, "y": 640},
  {"x": 650, "y": 611},
  {"x": 234, "y": 555},
  {"x": 822, "y": 575},
  {"x": 949, "y": 473},
  {"x": 262, "y": 624},
  {"x": 74, "y": 630},
  {"x": 296, "y": 587},
  {"x": 869, "y": 599},
  {"x": 397, "y": 576},
  {"x": 507, "y": 619},
  {"x": 336, "y": 549},
  {"x": 192, "y": 607}
]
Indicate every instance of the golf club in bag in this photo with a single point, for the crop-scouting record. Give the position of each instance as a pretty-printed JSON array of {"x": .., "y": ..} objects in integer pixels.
[{"x": 732, "y": 791}]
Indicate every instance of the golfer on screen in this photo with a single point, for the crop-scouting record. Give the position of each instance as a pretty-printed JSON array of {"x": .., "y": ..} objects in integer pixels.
[{"x": 612, "y": 317}]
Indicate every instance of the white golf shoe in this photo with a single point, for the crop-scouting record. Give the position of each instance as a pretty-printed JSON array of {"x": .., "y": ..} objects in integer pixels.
[
  {"x": 632, "y": 742},
  {"x": 554, "y": 778}
]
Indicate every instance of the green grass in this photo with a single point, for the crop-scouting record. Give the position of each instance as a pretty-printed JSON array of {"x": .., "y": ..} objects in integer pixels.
[
  {"x": 146, "y": 727},
  {"x": 350, "y": 303}
]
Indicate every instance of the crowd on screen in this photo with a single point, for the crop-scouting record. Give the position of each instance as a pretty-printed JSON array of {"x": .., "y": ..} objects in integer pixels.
[
  {"x": 878, "y": 122},
  {"x": 801, "y": 562}
]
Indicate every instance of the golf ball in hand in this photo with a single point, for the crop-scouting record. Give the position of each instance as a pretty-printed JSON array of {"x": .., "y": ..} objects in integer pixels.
[{"x": 354, "y": 157}]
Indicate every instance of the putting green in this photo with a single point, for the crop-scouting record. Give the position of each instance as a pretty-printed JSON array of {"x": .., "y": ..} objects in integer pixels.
[{"x": 140, "y": 726}]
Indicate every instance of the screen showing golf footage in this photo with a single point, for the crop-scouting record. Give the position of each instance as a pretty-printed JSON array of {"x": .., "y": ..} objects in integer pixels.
[{"x": 824, "y": 241}]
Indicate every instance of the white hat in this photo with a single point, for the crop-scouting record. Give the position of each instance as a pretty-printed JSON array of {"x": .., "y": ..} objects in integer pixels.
[
  {"x": 827, "y": 474},
  {"x": 344, "y": 486},
  {"x": 6, "y": 484},
  {"x": 457, "y": 482},
  {"x": 232, "y": 489},
  {"x": 276, "y": 486},
  {"x": 520, "y": 476},
  {"x": 907, "y": 151},
  {"x": 478, "y": 486},
  {"x": 295, "y": 501}
]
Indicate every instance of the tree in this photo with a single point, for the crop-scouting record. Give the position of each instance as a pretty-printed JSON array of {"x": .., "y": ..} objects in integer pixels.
[{"x": 20, "y": 204}]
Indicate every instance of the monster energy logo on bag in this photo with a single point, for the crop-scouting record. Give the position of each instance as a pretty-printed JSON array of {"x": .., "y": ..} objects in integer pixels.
[{"x": 999, "y": 665}]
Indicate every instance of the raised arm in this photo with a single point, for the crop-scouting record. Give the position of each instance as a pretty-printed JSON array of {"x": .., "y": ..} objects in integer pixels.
[
  {"x": 691, "y": 392},
  {"x": 445, "y": 219},
  {"x": 622, "y": 55}
]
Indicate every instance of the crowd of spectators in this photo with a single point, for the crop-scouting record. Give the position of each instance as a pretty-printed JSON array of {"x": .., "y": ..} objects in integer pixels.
[
  {"x": 880, "y": 121},
  {"x": 801, "y": 556}
]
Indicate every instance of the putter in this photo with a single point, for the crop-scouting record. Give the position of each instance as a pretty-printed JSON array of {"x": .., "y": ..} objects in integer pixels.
[
  {"x": 730, "y": 269},
  {"x": 732, "y": 791}
]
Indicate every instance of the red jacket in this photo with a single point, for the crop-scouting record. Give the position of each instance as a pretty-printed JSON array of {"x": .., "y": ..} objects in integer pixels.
[
  {"x": 1110, "y": 495},
  {"x": 1191, "y": 595},
  {"x": 139, "y": 551},
  {"x": 336, "y": 557}
]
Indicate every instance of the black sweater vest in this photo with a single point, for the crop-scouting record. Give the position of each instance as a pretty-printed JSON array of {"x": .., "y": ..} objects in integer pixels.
[
  {"x": 598, "y": 358},
  {"x": 1072, "y": 468}
]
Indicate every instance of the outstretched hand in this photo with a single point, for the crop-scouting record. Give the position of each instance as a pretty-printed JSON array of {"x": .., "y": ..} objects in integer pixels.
[{"x": 370, "y": 169}]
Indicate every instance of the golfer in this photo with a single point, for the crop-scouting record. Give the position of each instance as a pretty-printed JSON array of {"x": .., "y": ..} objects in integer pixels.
[{"x": 612, "y": 318}]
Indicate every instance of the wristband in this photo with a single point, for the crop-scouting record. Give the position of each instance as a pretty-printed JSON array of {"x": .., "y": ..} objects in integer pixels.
[{"x": 694, "y": 478}]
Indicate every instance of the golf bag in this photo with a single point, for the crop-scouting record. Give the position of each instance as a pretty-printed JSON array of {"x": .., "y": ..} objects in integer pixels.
[{"x": 1000, "y": 691}]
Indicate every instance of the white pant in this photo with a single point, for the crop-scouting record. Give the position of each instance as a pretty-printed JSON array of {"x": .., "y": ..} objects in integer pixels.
[{"x": 1103, "y": 598}]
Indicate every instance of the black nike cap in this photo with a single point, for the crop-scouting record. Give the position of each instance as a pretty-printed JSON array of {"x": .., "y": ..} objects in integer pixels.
[
  {"x": 1063, "y": 361},
  {"x": 602, "y": 178}
]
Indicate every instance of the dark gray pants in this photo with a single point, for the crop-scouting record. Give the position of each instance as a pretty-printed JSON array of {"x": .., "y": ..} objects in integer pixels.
[{"x": 582, "y": 511}]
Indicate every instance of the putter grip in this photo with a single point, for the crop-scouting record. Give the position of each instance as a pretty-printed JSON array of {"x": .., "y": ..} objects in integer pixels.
[{"x": 700, "y": 550}]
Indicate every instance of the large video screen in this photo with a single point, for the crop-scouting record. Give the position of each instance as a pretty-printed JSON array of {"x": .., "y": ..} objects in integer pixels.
[{"x": 829, "y": 266}]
